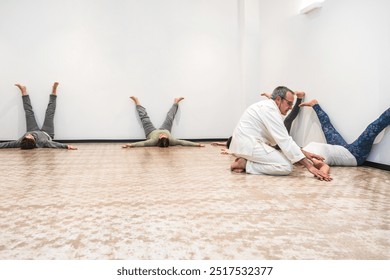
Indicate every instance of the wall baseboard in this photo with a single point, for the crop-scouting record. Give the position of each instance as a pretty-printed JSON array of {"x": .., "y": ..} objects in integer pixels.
[
  {"x": 132, "y": 140},
  {"x": 377, "y": 165}
]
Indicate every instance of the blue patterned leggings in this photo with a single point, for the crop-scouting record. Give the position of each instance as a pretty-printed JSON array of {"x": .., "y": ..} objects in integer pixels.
[{"x": 361, "y": 147}]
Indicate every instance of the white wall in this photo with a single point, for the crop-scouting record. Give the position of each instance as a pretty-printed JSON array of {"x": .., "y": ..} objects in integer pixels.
[
  {"x": 219, "y": 54},
  {"x": 338, "y": 54},
  {"x": 103, "y": 51}
]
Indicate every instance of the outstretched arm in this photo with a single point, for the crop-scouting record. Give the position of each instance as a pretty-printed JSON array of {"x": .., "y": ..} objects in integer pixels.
[
  {"x": 11, "y": 144},
  {"x": 218, "y": 144},
  {"x": 146, "y": 143},
  {"x": 312, "y": 156},
  {"x": 184, "y": 143},
  {"x": 56, "y": 145}
]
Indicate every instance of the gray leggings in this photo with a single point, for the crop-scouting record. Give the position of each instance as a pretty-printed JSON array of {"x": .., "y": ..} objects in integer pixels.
[
  {"x": 293, "y": 114},
  {"x": 31, "y": 123},
  {"x": 147, "y": 124}
]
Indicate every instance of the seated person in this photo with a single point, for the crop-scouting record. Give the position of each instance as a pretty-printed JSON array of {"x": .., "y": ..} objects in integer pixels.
[
  {"x": 337, "y": 151},
  {"x": 257, "y": 133}
]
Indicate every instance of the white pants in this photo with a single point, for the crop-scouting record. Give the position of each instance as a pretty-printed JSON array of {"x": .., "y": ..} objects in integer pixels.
[{"x": 267, "y": 160}]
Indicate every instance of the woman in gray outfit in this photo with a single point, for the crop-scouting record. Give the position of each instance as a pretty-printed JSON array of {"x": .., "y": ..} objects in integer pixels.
[{"x": 35, "y": 137}]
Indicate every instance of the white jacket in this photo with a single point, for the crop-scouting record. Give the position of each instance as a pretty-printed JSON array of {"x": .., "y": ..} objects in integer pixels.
[{"x": 261, "y": 127}]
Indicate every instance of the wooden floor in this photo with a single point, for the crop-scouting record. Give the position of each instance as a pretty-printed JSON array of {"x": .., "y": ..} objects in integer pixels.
[{"x": 104, "y": 202}]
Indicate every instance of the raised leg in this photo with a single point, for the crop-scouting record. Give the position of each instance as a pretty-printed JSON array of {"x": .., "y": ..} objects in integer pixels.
[
  {"x": 361, "y": 147},
  {"x": 143, "y": 115},
  {"x": 145, "y": 120},
  {"x": 332, "y": 136},
  {"x": 31, "y": 123},
  {"x": 48, "y": 124}
]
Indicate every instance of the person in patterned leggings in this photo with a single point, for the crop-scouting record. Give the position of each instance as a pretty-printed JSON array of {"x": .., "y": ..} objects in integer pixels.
[{"x": 358, "y": 149}]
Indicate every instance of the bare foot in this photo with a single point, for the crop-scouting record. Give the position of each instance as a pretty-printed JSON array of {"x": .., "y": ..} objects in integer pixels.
[
  {"x": 238, "y": 165},
  {"x": 268, "y": 95},
  {"x": 300, "y": 94},
  {"x": 54, "y": 90},
  {"x": 178, "y": 99},
  {"x": 135, "y": 99},
  {"x": 22, "y": 88},
  {"x": 310, "y": 103}
]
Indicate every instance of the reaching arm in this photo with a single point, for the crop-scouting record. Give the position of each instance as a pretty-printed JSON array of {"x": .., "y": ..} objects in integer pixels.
[
  {"x": 218, "y": 143},
  {"x": 146, "y": 143},
  {"x": 54, "y": 145},
  {"x": 184, "y": 143},
  {"x": 312, "y": 156},
  {"x": 11, "y": 144}
]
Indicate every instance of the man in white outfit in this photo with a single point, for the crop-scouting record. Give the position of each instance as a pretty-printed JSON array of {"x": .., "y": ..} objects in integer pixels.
[{"x": 261, "y": 128}]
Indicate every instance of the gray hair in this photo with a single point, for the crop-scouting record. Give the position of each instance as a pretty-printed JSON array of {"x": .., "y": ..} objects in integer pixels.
[{"x": 280, "y": 91}]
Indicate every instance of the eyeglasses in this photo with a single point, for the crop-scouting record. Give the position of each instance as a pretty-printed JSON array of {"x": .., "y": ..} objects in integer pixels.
[{"x": 289, "y": 103}]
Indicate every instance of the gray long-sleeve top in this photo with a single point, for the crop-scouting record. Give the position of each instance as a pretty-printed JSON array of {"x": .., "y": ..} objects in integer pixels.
[{"x": 42, "y": 140}]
